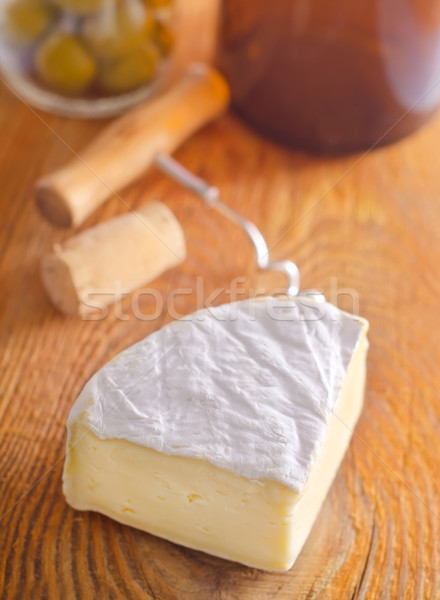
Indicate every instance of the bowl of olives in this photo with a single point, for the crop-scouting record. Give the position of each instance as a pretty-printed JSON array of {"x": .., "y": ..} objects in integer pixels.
[{"x": 86, "y": 58}]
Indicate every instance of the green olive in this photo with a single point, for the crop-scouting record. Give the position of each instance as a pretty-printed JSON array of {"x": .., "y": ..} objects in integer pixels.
[
  {"x": 79, "y": 7},
  {"x": 163, "y": 37},
  {"x": 111, "y": 36},
  {"x": 64, "y": 64},
  {"x": 129, "y": 71},
  {"x": 26, "y": 20}
]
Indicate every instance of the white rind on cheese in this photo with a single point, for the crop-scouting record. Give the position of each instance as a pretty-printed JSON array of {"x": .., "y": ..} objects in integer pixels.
[
  {"x": 250, "y": 387},
  {"x": 260, "y": 522}
]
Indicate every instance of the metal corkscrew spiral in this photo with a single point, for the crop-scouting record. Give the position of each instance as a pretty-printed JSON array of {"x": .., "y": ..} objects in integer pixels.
[{"x": 211, "y": 195}]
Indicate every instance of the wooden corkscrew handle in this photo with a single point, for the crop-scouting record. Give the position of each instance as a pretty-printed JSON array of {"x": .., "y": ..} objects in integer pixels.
[{"x": 129, "y": 145}]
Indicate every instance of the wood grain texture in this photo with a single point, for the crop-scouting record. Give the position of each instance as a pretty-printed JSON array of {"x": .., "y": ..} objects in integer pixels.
[{"x": 372, "y": 223}]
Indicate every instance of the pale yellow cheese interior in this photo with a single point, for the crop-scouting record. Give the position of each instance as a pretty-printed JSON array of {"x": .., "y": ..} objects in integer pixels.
[{"x": 262, "y": 524}]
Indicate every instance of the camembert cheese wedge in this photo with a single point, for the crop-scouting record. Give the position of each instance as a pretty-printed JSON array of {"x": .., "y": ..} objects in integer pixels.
[{"x": 223, "y": 431}]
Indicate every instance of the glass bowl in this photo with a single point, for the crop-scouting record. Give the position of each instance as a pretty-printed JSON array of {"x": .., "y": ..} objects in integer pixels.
[{"x": 86, "y": 58}]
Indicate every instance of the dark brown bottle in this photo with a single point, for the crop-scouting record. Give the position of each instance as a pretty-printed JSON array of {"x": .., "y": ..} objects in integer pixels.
[{"x": 332, "y": 75}]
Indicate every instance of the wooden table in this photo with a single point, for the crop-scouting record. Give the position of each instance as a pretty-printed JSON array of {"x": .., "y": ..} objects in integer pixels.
[{"x": 369, "y": 224}]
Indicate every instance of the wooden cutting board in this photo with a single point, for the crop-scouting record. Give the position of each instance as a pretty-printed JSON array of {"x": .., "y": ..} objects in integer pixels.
[{"x": 366, "y": 224}]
